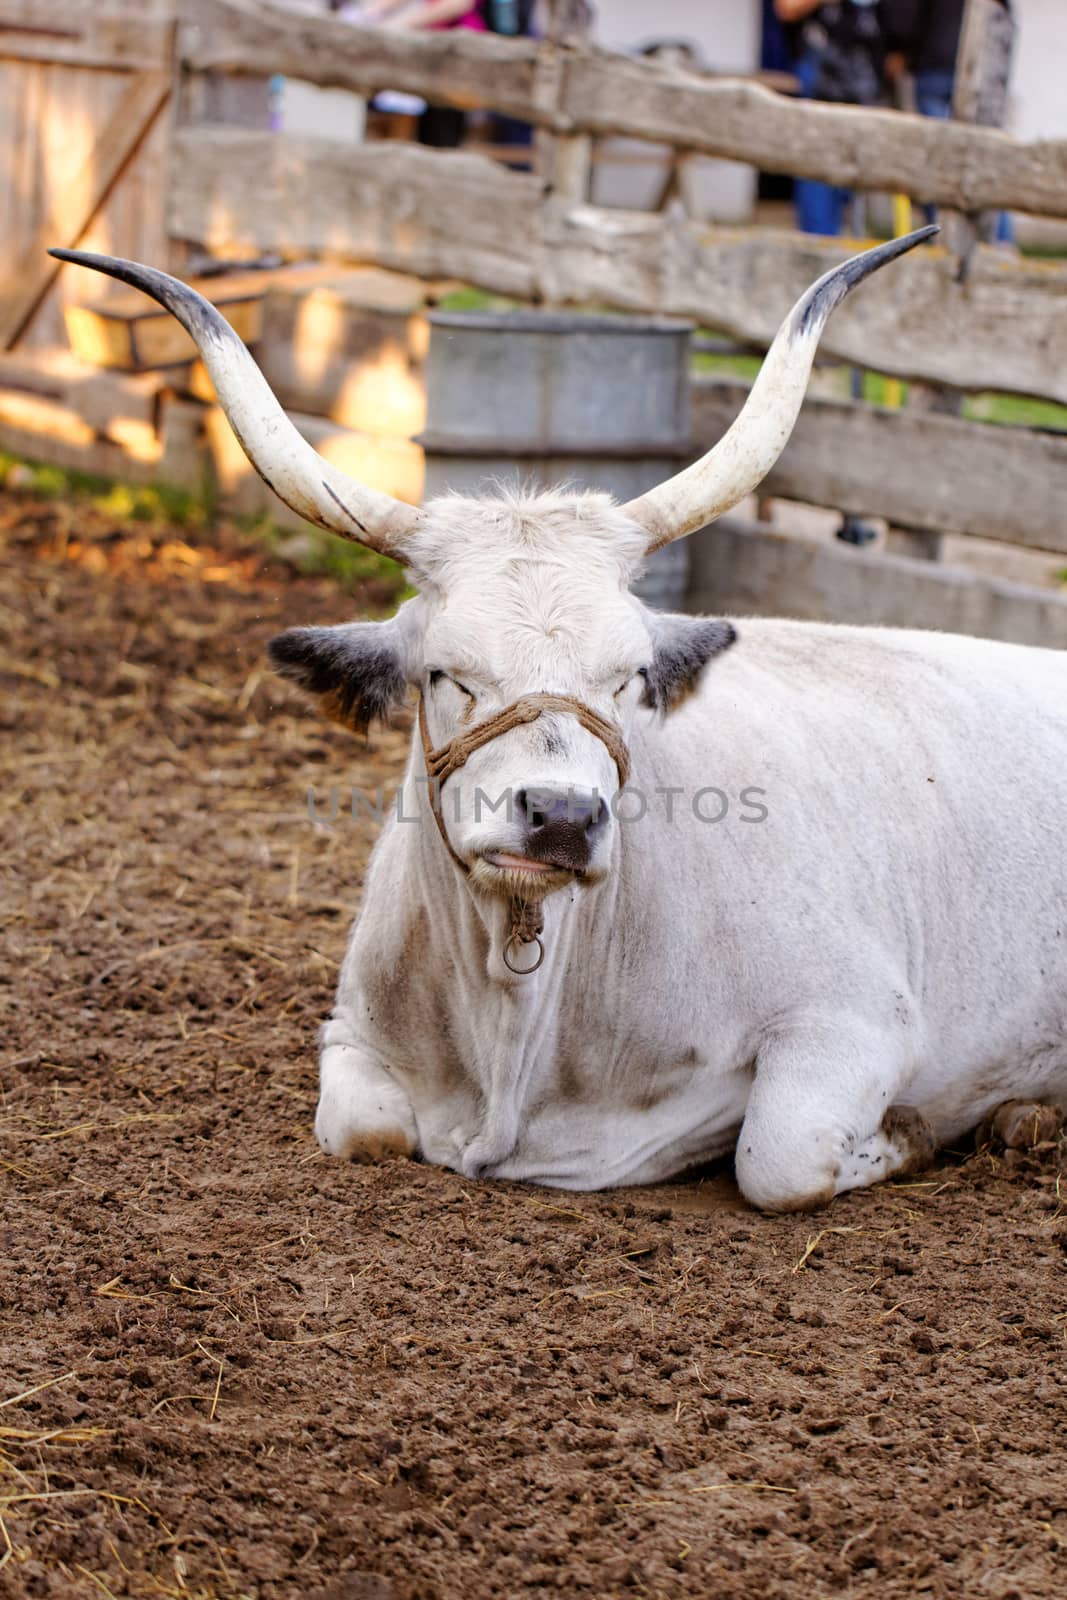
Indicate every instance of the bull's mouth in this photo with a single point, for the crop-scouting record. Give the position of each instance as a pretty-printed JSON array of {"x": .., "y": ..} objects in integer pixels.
[
  {"x": 508, "y": 861},
  {"x": 521, "y": 876}
]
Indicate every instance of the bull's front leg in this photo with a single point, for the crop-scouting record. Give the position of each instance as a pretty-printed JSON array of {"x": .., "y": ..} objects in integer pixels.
[
  {"x": 823, "y": 1115},
  {"x": 363, "y": 1113}
]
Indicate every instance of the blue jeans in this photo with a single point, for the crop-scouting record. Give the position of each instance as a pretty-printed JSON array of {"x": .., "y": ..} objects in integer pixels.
[
  {"x": 933, "y": 98},
  {"x": 820, "y": 207}
]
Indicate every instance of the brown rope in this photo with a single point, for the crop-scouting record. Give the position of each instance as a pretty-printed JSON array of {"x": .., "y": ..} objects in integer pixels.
[
  {"x": 527, "y": 917},
  {"x": 446, "y": 760}
]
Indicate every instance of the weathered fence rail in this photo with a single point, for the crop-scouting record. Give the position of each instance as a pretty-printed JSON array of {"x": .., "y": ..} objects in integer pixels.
[
  {"x": 238, "y": 191},
  {"x": 917, "y": 469},
  {"x": 593, "y": 91},
  {"x": 744, "y": 569}
]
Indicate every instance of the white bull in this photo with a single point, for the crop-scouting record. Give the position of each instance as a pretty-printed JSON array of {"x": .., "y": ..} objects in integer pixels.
[{"x": 836, "y": 935}]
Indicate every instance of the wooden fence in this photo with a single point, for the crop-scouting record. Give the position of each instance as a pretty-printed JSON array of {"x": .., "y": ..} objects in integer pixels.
[{"x": 240, "y": 192}]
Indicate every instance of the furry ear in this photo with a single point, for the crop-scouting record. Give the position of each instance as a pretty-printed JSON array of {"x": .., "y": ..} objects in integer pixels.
[
  {"x": 356, "y": 669},
  {"x": 682, "y": 648}
]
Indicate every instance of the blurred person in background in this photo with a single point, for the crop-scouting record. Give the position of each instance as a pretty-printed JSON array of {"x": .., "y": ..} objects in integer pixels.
[
  {"x": 424, "y": 13},
  {"x": 923, "y": 39},
  {"x": 441, "y": 127},
  {"x": 839, "y": 56}
]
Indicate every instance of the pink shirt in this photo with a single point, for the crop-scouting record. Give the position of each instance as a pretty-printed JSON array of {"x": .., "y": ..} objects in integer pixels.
[{"x": 472, "y": 19}]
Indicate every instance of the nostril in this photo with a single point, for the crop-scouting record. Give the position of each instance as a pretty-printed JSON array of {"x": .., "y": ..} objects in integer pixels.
[
  {"x": 580, "y": 809},
  {"x": 531, "y": 808}
]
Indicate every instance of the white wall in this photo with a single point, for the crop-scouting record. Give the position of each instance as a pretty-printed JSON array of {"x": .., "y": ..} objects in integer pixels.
[
  {"x": 1039, "y": 79},
  {"x": 727, "y": 31}
]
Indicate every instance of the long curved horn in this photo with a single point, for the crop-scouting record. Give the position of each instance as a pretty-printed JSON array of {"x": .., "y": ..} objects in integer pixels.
[
  {"x": 284, "y": 460},
  {"x": 749, "y": 449}
]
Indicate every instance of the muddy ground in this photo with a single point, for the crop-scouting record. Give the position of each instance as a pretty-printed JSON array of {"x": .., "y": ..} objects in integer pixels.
[{"x": 230, "y": 1367}]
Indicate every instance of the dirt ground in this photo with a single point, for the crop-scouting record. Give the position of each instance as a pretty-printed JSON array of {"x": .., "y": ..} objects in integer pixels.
[{"x": 231, "y": 1367}]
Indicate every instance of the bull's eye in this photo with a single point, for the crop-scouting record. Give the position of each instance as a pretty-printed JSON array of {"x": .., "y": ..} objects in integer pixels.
[
  {"x": 437, "y": 675},
  {"x": 642, "y": 672}
]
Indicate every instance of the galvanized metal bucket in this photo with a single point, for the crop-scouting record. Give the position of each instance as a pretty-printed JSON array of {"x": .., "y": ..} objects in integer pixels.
[{"x": 598, "y": 402}]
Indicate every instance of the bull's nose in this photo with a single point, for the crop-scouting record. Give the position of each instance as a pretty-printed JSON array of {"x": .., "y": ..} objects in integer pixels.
[
  {"x": 583, "y": 807},
  {"x": 562, "y": 824}
]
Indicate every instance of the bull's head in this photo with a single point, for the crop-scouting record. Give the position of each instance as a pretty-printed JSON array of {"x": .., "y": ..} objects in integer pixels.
[{"x": 519, "y": 597}]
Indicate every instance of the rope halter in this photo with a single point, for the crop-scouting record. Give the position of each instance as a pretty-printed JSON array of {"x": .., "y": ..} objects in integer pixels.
[{"x": 526, "y": 916}]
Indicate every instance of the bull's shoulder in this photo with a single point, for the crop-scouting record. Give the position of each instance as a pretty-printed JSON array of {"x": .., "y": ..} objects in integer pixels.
[{"x": 812, "y": 654}]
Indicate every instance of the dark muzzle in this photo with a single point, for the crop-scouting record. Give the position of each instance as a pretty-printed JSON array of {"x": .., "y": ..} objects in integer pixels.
[{"x": 562, "y": 825}]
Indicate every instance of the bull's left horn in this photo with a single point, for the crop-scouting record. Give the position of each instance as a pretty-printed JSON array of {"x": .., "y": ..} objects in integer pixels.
[
  {"x": 284, "y": 460},
  {"x": 748, "y": 450}
]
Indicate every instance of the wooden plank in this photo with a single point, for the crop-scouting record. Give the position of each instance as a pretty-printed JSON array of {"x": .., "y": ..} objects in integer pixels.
[
  {"x": 77, "y": 201},
  {"x": 392, "y": 466},
  {"x": 331, "y": 354},
  {"x": 397, "y": 206},
  {"x": 923, "y": 470},
  {"x": 151, "y": 342},
  {"x": 742, "y": 569},
  {"x": 454, "y": 66},
  {"x": 593, "y": 91},
  {"x": 129, "y": 332},
  {"x": 126, "y": 331},
  {"x": 100, "y": 398},
  {"x": 1004, "y": 329},
  {"x": 944, "y": 163},
  {"x": 391, "y": 205},
  {"x": 105, "y": 34},
  {"x": 935, "y": 162}
]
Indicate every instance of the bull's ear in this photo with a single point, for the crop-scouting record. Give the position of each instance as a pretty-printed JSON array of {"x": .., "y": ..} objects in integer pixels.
[
  {"x": 357, "y": 669},
  {"x": 682, "y": 648}
]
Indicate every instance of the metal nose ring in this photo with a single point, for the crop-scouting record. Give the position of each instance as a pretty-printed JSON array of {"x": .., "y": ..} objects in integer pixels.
[{"x": 523, "y": 972}]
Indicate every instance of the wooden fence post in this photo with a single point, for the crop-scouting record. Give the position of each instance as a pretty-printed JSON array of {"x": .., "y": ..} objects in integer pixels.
[
  {"x": 566, "y": 160},
  {"x": 983, "y": 68}
]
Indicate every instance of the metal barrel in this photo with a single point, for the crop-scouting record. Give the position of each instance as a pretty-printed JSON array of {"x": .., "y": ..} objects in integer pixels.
[{"x": 547, "y": 398}]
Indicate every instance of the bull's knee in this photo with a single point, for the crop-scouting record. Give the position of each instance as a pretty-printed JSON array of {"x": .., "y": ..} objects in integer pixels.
[
  {"x": 792, "y": 1170},
  {"x": 778, "y": 1171},
  {"x": 818, "y": 1119},
  {"x": 363, "y": 1113}
]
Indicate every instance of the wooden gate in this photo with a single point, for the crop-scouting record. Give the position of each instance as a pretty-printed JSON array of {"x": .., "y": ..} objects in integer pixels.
[{"x": 92, "y": 79}]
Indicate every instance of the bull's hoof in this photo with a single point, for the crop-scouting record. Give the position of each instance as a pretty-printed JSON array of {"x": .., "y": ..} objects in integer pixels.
[
  {"x": 1023, "y": 1124},
  {"x": 910, "y": 1135}
]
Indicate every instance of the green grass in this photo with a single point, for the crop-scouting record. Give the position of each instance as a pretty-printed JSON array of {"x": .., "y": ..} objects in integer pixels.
[
  {"x": 309, "y": 550},
  {"x": 326, "y": 555},
  {"x": 467, "y": 299},
  {"x": 130, "y": 502},
  {"x": 1007, "y": 410},
  {"x": 1017, "y": 411}
]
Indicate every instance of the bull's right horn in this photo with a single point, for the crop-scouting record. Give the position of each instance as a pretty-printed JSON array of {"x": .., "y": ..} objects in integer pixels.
[
  {"x": 748, "y": 450},
  {"x": 284, "y": 460}
]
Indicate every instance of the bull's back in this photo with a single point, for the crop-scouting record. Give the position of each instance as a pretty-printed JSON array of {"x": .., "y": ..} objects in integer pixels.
[{"x": 916, "y": 791}]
